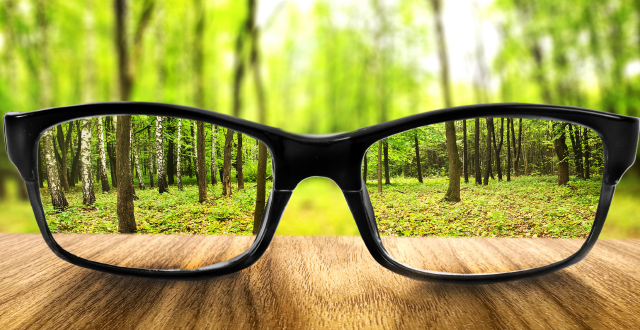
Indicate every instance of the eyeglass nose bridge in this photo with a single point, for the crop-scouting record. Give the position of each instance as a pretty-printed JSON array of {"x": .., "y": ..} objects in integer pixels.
[{"x": 339, "y": 159}]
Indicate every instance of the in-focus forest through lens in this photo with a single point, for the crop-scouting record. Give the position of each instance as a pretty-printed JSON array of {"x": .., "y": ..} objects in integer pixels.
[
  {"x": 182, "y": 176},
  {"x": 496, "y": 196},
  {"x": 317, "y": 67}
]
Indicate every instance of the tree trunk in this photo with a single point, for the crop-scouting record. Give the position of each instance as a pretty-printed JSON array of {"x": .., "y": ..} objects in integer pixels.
[
  {"x": 126, "y": 218},
  {"x": 170, "y": 164},
  {"x": 487, "y": 163},
  {"x": 102, "y": 169},
  {"x": 226, "y": 167},
  {"x": 75, "y": 165},
  {"x": 111, "y": 150},
  {"x": 576, "y": 145},
  {"x": 262, "y": 117},
  {"x": 508, "y": 151},
  {"x": 465, "y": 163},
  {"x": 214, "y": 129},
  {"x": 194, "y": 153},
  {"x": 136, "y": 161},
  {"x": 63, "y": 144},
  {"x": 261, "y": 187},
  {"x": 478, "y": 153},
  {"x": 162, "y": 177},
  {"x": 498, "y": 146},
  {"x": 380, "y": 166},
  {"x": 179, "y": 152},
  {"x": 150, "y": 144},
  {"x": 587, "y": 154},
  {"x": 455, "y": 166},
  {"x": 202, "y": 166},
  {"x": 559, "y": 144},
  {"x": 58, "y": 200},
  {"x": 517, "y": 148},
  {"x": 239, "y": 162},
  {"x": 417, "y": 147},
  {"x": 88, "y": 195},
  {"x": 386, "y": 162}
]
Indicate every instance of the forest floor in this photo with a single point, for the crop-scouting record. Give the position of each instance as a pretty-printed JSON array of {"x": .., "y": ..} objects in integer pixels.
[
  {"x": 175, "y": 212},
  {"x": 317, "y": 207},
  {"x": 523, "y": 207}
]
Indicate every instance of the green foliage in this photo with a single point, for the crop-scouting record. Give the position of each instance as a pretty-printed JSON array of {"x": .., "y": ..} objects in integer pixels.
[
  {"x": 524, "y": 207},
  {"x": 176, "y": 212}
]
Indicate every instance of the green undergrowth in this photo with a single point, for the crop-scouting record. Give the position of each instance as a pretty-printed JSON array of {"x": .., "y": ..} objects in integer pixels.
[
  {"x": 175, "y": 212},
  {"x": 524, "y": 207}
]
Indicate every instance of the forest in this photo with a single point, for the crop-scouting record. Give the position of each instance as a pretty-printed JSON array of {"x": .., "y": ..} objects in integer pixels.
[{"x": 317, "y": 67}]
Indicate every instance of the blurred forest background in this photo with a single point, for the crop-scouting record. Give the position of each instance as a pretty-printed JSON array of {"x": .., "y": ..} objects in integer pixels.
[{"x": 327, "y": 66}]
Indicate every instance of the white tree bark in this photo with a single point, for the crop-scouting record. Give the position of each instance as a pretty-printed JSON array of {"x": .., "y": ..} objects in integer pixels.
[
  {"x": 88, "y": 195},
  {"x": 150, "y": 160},
  {"x": 58, "y": 199},
  {"x": 213, "y": 154},
  {"x": 134, "y": 151},
  {"x": 195, "y": 147},
  {"x": 179, "y": 165},
  {"x": 162, "y": 175},
  {"x": 102, "y": 169}
]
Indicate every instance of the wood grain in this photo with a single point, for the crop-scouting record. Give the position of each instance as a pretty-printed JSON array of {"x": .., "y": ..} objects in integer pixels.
[{"x": 313, "y": 282}]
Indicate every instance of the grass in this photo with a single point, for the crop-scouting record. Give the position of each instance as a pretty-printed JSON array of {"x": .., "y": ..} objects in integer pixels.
[
  {"x": 176, "y": 212},
  {"x": 524, "y": 207},
  {"x": 317, "y": 207}
]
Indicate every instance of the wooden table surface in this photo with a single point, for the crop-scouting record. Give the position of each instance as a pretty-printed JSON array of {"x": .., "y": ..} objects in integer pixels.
[{"x": 314, "y": 282}]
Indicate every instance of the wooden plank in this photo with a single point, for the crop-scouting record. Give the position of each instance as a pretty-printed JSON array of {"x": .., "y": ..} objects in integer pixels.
[{"x": 311, "y": 282}]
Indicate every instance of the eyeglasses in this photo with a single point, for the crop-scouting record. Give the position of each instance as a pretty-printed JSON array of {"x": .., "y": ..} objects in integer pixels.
[{"x": 475, "y": 194}]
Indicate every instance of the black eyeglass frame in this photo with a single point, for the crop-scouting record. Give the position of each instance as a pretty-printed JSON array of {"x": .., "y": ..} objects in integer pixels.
[{"x": 338, "y": 157}]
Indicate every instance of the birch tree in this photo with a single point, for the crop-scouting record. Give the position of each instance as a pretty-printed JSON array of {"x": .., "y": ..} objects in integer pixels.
[
  {"x": 88, "y": 195},
  {"x": 179, "y": 164},
  {"x": 102, "y": 168},
  {"x": 161, "y": 174},
  {"x": 58, "y": 200}
]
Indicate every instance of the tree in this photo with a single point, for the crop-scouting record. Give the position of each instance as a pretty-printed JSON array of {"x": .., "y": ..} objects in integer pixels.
[
  {"x": 517, "y": 148},
  {"x": 199, "y": 100},
  {"x": 136, "y": 161},
  {"x": 261, "y": 184},
  {"x": 560, "y": 146},
  {"x": 88, "y": 196},
  {"x": 576, "y": 146},
  {"x": 477, "y": 153},
  {"x": 58, "y": 200},
  {"x": 126, "y": 73},
  {"x": 509, "y": 123},
  {"x": 150, "y": 145},
  {"x": 487, "y": 162},
  {"x": 214, "y": 129},
  {"x": 417, "y": 147},
  {"x": 465, "y": 163},
  {"x": 498, "y": 146},
  {"x": 63, "y": 144},
  {"x": 202, "y": 167},
  {"x": 455, "y": 166},
  {"x": 102, "y": 168},
  {"x": 179, "y": 165},
  {"x": 587, "y": 153},
  {"x": 226, "y": 167},
  {"x": 162, "y": 174}
]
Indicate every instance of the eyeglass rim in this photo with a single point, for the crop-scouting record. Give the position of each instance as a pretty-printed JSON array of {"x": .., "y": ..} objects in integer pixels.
[{"x": 619, "y": 135}]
